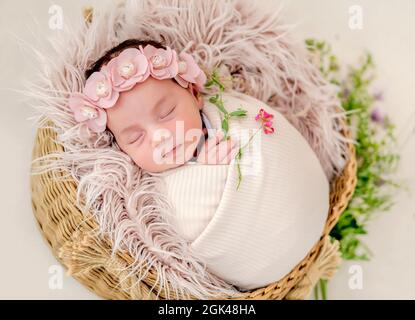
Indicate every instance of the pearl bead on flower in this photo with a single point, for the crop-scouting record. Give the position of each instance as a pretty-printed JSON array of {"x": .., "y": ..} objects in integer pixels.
[
  {"x": 89, "y": 112},
  {"x": 126, "y": 70},
  {"x": 182, "y": 67},
  {"x": 158, "y": 61},
  {"x": 102, "y": 89}
]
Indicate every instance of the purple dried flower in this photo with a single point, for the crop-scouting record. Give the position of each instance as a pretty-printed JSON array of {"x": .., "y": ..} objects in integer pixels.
[
  {"x": 377, "y": 116},
  {"x": 378, "y": 96}
]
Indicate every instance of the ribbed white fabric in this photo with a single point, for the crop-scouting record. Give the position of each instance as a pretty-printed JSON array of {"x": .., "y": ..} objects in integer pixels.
[
  {"x": 255, "y": 235},
  {"x": 185, "y": 185}
]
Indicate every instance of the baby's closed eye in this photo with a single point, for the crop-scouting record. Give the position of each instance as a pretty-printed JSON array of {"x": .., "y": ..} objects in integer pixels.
[
  {"x": 136, "y": 137},
  {"x": 169, "y": 112}
]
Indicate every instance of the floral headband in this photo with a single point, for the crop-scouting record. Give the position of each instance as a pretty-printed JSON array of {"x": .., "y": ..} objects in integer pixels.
[{"x": 123, "y": 72}]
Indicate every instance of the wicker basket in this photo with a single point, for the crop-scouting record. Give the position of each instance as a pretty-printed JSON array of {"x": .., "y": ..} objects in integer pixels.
[{"x": 88, "y": 258}]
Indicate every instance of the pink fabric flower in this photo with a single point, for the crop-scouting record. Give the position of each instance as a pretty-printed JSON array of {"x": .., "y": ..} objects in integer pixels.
[
  {"x": 86, "y": 111},
  {"x": 127, "y": 69},
  {"x": 98, "y": 88},
  {"x": 189, "y": 71},
  {"x": 162, "y": 62},
  {"x": 266, "y": 122}
]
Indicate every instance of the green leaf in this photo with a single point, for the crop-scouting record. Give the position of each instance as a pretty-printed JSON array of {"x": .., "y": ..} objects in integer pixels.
[
  {"x": 225, "y": 126},
  {"x": 221, "y": 107},
  {"x": 214, "y": 80},
  {"x": 209, "y": 83},
  {"x": 214, "y": 99},
  {"x": 309, "y": 42},
  {"x": 238, "y": 113}
]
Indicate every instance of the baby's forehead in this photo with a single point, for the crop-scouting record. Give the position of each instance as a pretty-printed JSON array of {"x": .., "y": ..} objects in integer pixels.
[
  {"x": 145, "y": 98},
  {"x": 138, "y": 109}
]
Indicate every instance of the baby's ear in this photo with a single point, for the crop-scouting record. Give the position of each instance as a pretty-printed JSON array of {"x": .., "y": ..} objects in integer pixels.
[{"x": 197, "y": 95}]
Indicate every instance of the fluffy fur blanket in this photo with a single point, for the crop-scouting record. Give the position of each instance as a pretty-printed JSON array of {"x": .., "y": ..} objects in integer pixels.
[{"x": 241, "y": 39}]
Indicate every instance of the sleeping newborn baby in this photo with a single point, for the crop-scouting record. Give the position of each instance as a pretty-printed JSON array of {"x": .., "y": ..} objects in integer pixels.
[
  {"x": 149, "y": 97},
  {"x": 161, "y": 126}
]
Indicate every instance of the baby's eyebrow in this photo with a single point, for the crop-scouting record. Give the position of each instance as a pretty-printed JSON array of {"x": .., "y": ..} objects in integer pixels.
[{"x": 155, "y": 107}]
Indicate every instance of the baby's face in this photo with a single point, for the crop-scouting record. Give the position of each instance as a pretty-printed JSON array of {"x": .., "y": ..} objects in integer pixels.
[{"x": 154, "y": 117}]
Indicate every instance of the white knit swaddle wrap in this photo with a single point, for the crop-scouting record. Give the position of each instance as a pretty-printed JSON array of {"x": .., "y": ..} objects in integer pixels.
[
  {"x": 192, "y": 211},
  {"x": 253, "y": 236}
]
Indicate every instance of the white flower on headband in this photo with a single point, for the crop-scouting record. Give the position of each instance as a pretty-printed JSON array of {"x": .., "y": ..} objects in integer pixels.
[{"x": 122, "y": 73}]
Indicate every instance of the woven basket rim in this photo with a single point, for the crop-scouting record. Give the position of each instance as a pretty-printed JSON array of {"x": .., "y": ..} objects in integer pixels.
[{"x": 60, "y": 230}]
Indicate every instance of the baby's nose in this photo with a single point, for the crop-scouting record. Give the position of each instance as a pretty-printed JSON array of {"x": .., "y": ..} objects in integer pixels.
[{"x": 159, "y": 138}]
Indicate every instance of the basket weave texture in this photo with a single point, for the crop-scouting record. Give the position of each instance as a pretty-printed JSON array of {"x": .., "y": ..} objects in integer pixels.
[{"x": 71, "y": 236}]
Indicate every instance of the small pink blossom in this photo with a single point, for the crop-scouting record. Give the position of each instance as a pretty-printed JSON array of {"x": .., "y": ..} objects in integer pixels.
[
  {"x": 263, "y": 116},
  {"x": 86, "y": 111},
  {"x": 127, "y": 69},
  {"x": 162, "y": 62},
  {"x": 98, "y": 88},
  {"x": 267, "y": 126},
  {"x": 265, "y": 119}
]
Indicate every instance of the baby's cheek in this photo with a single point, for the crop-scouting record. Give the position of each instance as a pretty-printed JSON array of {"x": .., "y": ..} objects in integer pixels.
[
  {"x": 137, "y": 157},
  {"x": 150, "y": 159},
  {"x": 193, "y": 130}
]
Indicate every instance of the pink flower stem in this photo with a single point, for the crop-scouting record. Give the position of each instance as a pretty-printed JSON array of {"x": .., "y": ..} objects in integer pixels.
[{"x": 239, "y": 155}]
